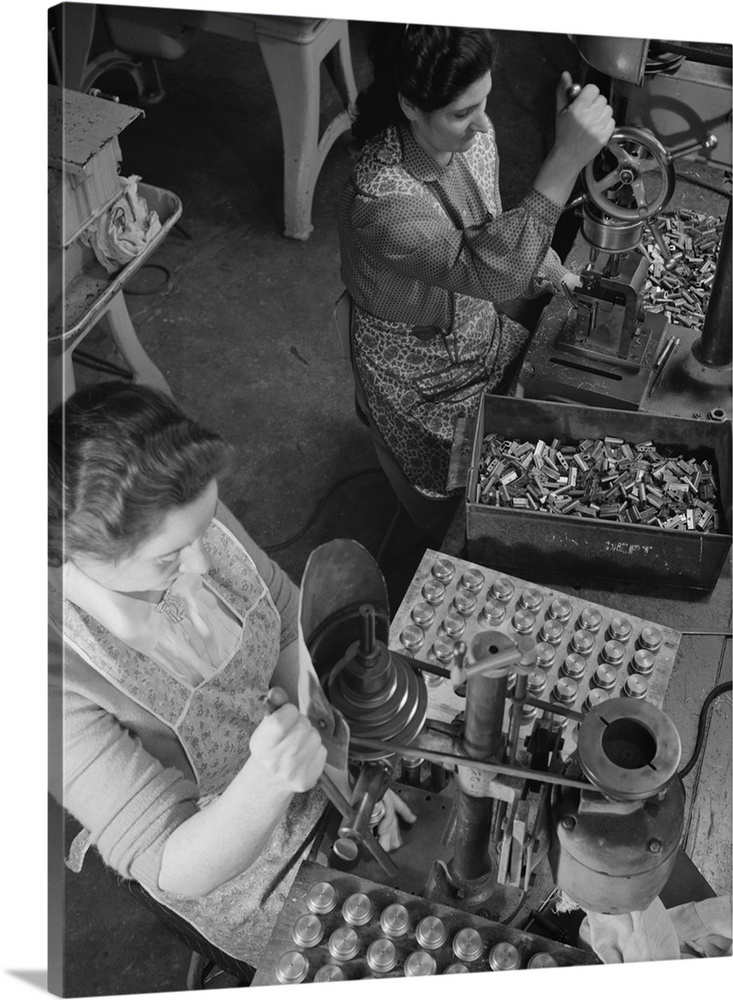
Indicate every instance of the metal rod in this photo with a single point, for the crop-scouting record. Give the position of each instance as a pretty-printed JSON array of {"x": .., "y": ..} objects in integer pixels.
[{"x": 715, "y": 347}]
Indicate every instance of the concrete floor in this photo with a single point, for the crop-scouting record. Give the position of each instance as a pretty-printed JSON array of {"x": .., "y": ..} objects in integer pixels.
[{"x": 243, "y": 332}]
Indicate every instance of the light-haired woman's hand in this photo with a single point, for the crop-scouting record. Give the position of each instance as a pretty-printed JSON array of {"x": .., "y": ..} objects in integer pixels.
[
  {"x": 388, "y": 828},
  {"x": 286, "y": 747}
]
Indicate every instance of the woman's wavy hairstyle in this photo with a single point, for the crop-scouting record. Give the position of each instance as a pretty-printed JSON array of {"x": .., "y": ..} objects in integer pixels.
[
  {"x": 120, "y": 457},
  {"x": 428, "y": 64}
]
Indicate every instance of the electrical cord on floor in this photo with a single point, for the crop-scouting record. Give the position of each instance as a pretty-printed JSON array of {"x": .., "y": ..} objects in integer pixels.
[
  {"x": 318, "y": 507},
  {"x": 720, "y": 689},
  {"x": 698, "y": 182}
]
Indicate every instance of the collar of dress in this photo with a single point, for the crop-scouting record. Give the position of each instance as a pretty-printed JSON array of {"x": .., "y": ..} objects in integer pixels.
[{"x": 399, "y": 146}]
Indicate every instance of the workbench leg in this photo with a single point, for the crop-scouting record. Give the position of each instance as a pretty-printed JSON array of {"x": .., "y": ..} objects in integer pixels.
[
  {"x": 294, "y": 70},
  {"x": 61, "y": 381},
  {"x": 118, "y": 324}
]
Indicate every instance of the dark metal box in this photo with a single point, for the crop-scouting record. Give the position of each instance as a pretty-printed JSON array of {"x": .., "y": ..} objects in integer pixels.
[{"x": 529, "y": 542}]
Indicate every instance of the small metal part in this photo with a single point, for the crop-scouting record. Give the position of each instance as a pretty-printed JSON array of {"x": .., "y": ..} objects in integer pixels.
[
  {"x": 561, "y": 609},
  {"x": 464, "y": 603},
  {"x": 431, "y": 932},
  {"x": 620, "y": 629},
  {"x": 643, "y": 662},
  {"x": 456, "y": 967},
  {"x": 583, "y": 642},
  {"x": 542, "y": 960},
  {"x": 531, "y": 599},
  {"x": 605, "y": 676},
  {"x": 329, "y": 973},
  {"x": 636, "y": 686},
  {"x": 523, "y": 621},
  {"x": 292, "y": 967},
  {"x": 545, "y": 655},
  {"x": 468, "y": 944},
  {"x": 503, "y": 957},
  {"x": 536, "y": 683},
  {"x": 574, "y": 666},
  {"x": 454, "y": 624},
  {"x": 423, "y": 614},
  {"x": 552, "y": 631},
  {"x": 410, "y": 768},
  {"x": 443, "y": 570},
  {"x": 444, "y": 648},
  {"x": 613, "y": 652},
  {"x": 419, "y": 963},
  {"x": 565, "y": 691},
  {"x": 650, "y": 638},
  {"x": 412, "y": 637},
  {"x": 321, "y": 898},
  {"x": 343, "y": 944},
  {"x": 433, "y": 591},
  {"x": 493, "y": 612},
  {"x": 502, "y": 589},
  {"x": 381, "y": 956},
  {"x": 307, "y": 930},
  {"x": 591, "y": 619},
  {"x": 595, "y": 697},
  {"x": 473, "y": 579},
  {"x": 395, "y": 920},
  {"x": 357, "y": 909}
]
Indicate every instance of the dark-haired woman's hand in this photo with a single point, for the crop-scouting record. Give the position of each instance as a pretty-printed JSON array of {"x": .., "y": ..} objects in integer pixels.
[{"x": 583, "y": 124}]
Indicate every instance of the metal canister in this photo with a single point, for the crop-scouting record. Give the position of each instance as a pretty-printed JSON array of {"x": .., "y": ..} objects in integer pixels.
[
  {"x": 456, "y": 967},
  {"x": 329, "y": 973},
  {"x": 473, "y": 579},
  {"x": 605, "y": 676},
  {"x": 321, "y": 897},
  {"x": 574, "y": 666},
  {"x": 583, "y": 641},
  {"x": 381, "y": 956},
  {"x": 620, "y": 629},
  {"x": 307, "y": 930},
  {"x": 444, "y": 648},
  {"x": 595, "y": 697},
  {"x": 650, "y": 638},
  {"x": 433, "y": 591},
  {"x": 357, "y": 909},
  {"x": 531, "y": 599},
  {"x": 343, "y": 944},
  {"x": 468, "y": 944},
  {"x": 636, "y": 686},
  {"x": 423, "y": 614},
  {"x": 542, "y": 960},
  {"x": 395, "y": 920},
  {"x": 502, "y": 589},
  {"x": 493, "y": 612},
  {"x": 545, "y": 653},
  {"x": 412, "y": 637},
  {"x": 292, "y": 967},
  {"x": 419, "y": 963},
  {"x": 464, "y": 603},
  {"x": 613, "y": 652},
  {"x": 552, "y": 631},
  {"x": 431, "y": 932},
  {"x": 523, "y": 621},
  {"x": 591, "y": 619},
  {"x": 561, "y": 609},
  {"x": 565, "y": 691},
  {"x": 454, "y": 624},
  {"x": 643, "y": 662},
  {"x": 503, "y": 957},
  {"x": 443, "y": 570}
]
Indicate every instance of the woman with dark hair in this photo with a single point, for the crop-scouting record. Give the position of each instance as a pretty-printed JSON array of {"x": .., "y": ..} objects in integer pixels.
[
  {"x": 169, "y": 631},
  {"x": 426, "y": 251}
]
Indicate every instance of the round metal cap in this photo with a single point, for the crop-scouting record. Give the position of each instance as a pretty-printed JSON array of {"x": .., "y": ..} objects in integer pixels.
[
  {"x": 536, "y": 682},
  {"x": 552, "y": 631},
  {"x": 444, "y": 648},
  {"x": 473, "y": 579},
  {"x": 561, "y": 609},
  {"x": 542, "y": 960},
  {"x": 443, "y": 570},
  {"x": 613, "y": 652},
  {"x": 343, "y": 943},
  {"x": 636, "y": 686},
  {"x": 531, "y": 599},
  {"x": 395, "y": 920},
  {"x": 454, "y": 624},
  {"x": 307, "y": 930},
  {"x": 493, "y": 612},
  {"x": 452, "y": 970},
  {"x": 433, "y": 591},
  {"x": 523, "y": 621},
  {"x": 468, "y": 944},
  {"x": 357, "y": 909},
  {"x": 423, "y": 615},
  {"x": 574, "y": 666},
  {"x": 583, "y": 641},
  {"x": 412, "y": 637},
  {"x": 321, "y": 897},
  {"x": 419, "y": 963},
  {"x": 292, "y": 967},
  {"x": 591, "y": 619},
  {"x": 545, "y": 655},
  {"x": 329, "y": 973},
  {"x": 503, "y": 957},
  {"x": 605, "y": 676},
  {"x": 502, "y": 588},
  {"x": 595, "y": 697},
  {"x": 643, "y": 662},
  {"x": 464, "y": 603},
  {"x": 381, "y": 955},
  {"x": 628, "y": 748},
  {"x": 565, "y": 690},
  {"x": 650, "y": 638},
  {"x": 431, "y": 932},
  {"x": 620, "y": 629}
]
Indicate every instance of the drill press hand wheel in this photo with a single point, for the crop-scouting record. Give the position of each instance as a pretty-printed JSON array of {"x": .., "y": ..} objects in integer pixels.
[{"x": 632, "y": 178}]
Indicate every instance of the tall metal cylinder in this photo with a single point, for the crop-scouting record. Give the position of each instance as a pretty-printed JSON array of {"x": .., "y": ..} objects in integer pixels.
[{"x": 715, "y": 347}]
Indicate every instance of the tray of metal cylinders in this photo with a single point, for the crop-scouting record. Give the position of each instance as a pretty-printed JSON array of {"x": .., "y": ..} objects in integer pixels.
[
  {"x": 336, "y": 926},
  {"x": 586, "y": 652},
  {"x": 582, "y": 491}
]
